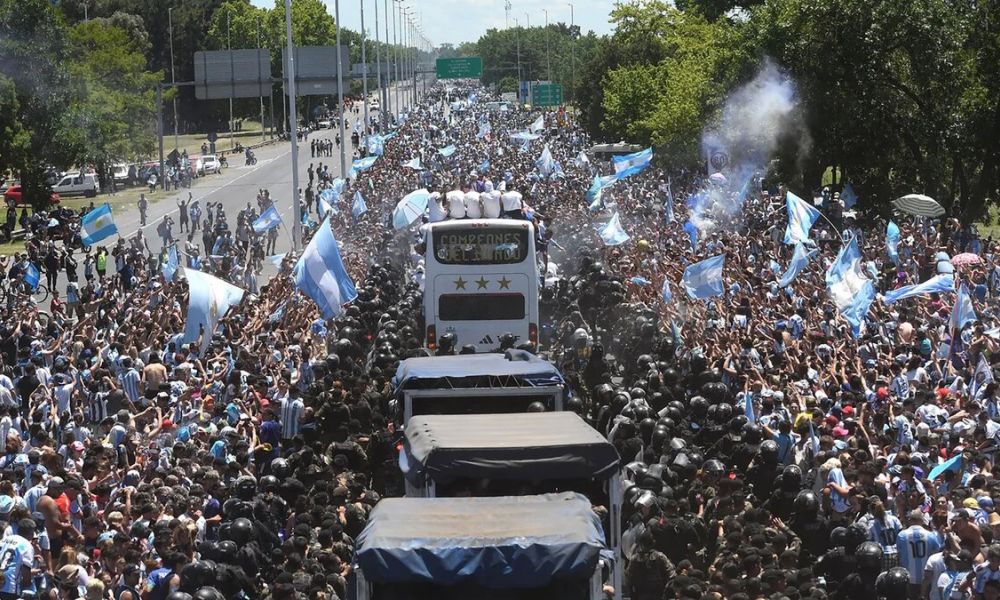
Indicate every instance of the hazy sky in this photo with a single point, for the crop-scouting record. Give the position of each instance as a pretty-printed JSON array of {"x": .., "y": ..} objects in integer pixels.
[{"x": 456, "y": 21}]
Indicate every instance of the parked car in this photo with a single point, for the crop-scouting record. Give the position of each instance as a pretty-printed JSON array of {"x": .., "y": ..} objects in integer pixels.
[
  {"x": 210, "y": 164},
  {"x": 78, "y": 184},
  {"x": 124, "y": 174},
  {"x": 13, "y": 195},
  {"x": 324, "y": 124}
]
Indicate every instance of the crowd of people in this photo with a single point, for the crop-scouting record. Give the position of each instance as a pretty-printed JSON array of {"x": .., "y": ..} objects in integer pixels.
[{"x": 769, "y": 448}]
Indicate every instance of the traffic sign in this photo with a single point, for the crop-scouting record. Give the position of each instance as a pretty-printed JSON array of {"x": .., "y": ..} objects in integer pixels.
[
  {"x": 460, "y": 68},
  {"x": 546, "y": 94},
  {"x": 212, "y": 136}
]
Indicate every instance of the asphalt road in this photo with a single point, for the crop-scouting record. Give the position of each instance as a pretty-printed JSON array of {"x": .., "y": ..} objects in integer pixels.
[{"x": 237, "y": 186}]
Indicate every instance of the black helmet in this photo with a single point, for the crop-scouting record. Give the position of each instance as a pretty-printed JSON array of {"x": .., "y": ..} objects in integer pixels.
[
  {"x": 245, "y": 488},
  {"x": 736, "y": 424},
  {"x": 893, "y": 584},
  {"x": 269, "y": 483},
  {"x": 446, "y": 343},
  {"x": 856, "y": 535},
  {"x": 467, "y": 349},
  {"x": 226, "y": 551},
  {"x": 197, "y": 574},
  {"x": 791, "y": 478},
  {"x": 699, "y": 406},
  {"x": 725, "y": 413},
  {"x": 752, "y": 433},
  {"x": 768, "y": 452},
  {"x": 507, "y": 341},
  {"x": 280, "y": 468},
  {"x": 806, "y": 504},
  {"x": 178, "y": 595},
  {"x": 838, "y": 537},
  {"x": 714, "y": 467},
  {"x": 869, "y": 556},
  {"x": 208, "y": 593},
  {"x": 536, "y": 407},
  {"x": 241, "y": 531}
]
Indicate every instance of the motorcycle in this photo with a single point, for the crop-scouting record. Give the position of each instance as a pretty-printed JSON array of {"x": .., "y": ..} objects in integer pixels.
[{"x": 251, "y": 159}]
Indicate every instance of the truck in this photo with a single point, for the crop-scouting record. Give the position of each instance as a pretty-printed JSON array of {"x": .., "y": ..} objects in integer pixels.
[
  {"x": 548, "y": 547},
  {"x": 514, "y": 455},
  {"x": 476, "y": 383}
]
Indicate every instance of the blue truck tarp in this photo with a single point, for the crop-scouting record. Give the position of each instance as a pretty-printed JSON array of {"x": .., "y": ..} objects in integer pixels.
[
  {"x": 495, "y": 543},
  {"x": 450, "y": 371}
]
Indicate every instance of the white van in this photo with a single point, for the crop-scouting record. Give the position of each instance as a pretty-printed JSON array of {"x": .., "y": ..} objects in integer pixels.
[{"x": 77, "y": 184}]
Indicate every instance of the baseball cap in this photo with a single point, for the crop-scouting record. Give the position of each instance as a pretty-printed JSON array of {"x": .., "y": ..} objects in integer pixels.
[{"x": 970, "y": 503}]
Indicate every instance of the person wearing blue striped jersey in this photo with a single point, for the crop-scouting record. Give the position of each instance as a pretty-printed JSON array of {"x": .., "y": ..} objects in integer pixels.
[
  {"x": 988, "y": 571},
  {"x": 883, "y": 530},
  {"x": 17, "y": 557},
  {"x": 914, "y": 545},
  {"x": 956, "y": 583}
]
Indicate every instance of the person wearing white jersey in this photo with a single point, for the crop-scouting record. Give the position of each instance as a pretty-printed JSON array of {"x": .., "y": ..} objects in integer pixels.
[
  {"x": 932, "y": 571},
  {"x": 491, "y": 202},
  {"x": 17, "y": 557},
  {"x": 436, "y": 212},
  {"x": 914, "y": 546},
  {"x": 473, "y": 209},
  {"x": 456, "y": 204},
  {"x": 513, "y": 204}
]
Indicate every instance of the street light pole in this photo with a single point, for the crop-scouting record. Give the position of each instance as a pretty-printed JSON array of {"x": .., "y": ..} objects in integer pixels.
[
  {"x": 548, "y": 54},
  {"x": 378, "y": 63},
  {"x": 387, "y": 104},
  {"x": 173, "y": 80},
  {"x": 395, "y": 50},
  {"x": 517, "y": 37},
  {"x": 340, "y": 94},
  {"x": 263, "y": 130},
  {"x": 572, "y": 48},
  {"x": 296, "y": 213},
  {"x": 229, "y": 43},
  {"x": 364, "y": 66}
]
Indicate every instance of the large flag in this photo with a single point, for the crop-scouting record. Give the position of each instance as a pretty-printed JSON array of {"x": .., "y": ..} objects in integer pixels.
[
  {"x": 850, "y": 290},
  {"x": 665, "y": 293},
  {"x": 748, "y": 407},
  {"x": 612, "y": 234},
  {"x": 320, "y": 273},
  {"x": 413, "y": 163},
  {"x": 447, "y": 150},
  {"x": 361, "y": 164},
  {"x": 170, "y": 267},
  {"x": 97, "y": 225},
  {"x": 801, "y": 217},
  {"x": 962, "y": 313},
  {"x": 32, "y": 276},
  {"x": 668, "y": 208},
  {"x": 981, "y": 378},
  {"x": 952, "y": 464},
  {"x": 524, "y": 136},
  {"x": 630, "y": 164},
  {"x": 325, "y": 204},
  {"x": 484, "y": 130},
  {"x": 892, "y": 241},
  {"x": 376, "y": 145},
  {"x": 848, "y": 197},
  {"x": 358, "y": 207},
  {"x": 938, "y": 283},
  {"x": 581, "y": 160},
  {"x": 545, "y": 163},
  {"x": 704, "y": 279},
  {"x": 268, "y": 220},
  {"x": 596, "y": 187},
  {"x": 538, "y": 125},
  {"x": 208, "y": 300},
  {"x": 800, "y": 259},
  {"x": 692, "y": 230}
]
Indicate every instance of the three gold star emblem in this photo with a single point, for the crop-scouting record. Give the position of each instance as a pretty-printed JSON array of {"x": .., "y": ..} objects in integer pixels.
[
  {"x": 459, "y": 283},
  {"x": 481, "y": 282},
  {"x": 504, "y": 283}
]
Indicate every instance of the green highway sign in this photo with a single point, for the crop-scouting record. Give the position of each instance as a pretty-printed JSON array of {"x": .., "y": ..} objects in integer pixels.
[
  {"x": 460, "y": 68},
  {"x": 546, "y": 94}
]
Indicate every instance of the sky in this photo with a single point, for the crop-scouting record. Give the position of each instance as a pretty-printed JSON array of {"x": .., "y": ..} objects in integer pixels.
[{"x": 457, "y": 21}]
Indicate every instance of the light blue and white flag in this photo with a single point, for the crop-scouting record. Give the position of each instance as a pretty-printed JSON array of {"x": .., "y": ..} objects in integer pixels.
[
  {"x": 268, "y": 220},
  {"x": 358, "y": 207},
  {"x": 538, "y": 125},
  {"x": 704, "y": 279},
  {"x": 668, "y": 208},
  {"x": 362, "y": 164},
  {"x": 321, "y": 275},
  {"x": 630, "y": 164},
  {"x": 413, "y": 163},
  {"x": 447, "y": 150},
  {"x": 208, "y": 300},
  {"x": 850, "y": 290},
  {"x": 376, "y": 145},
  {"x": 612, "y": 234},
  {"x": 800, "y": 260},
  {"x": 32, "y": 276},
  {"x": 665, "y": 292},
  {"x": 484, "y": 130},
  {"x": 952, "y": 464},
  {"x": 801, "y": 217},
  {"x": 892, "y": 242},
  {"x": 484, "y": 166},
  {"x": 981, "y": 378},
  {"x": 692, "y": 230},
  {"x": 962, "y": 313},
  {"x": 545, "y": 163},
  {"x": 938, "y": 283},
  {"x": 171, "y": 265},
  {"x": 596, "y": 187},
  {"x": 524, "y": 136},
  {"x": 640, "y": 281},
  {"x": 748, "y": 407},
  {"x": 97, "y": 225},
  {"x": 848, "y": 197},
  {"x": 581, "y": 160},
  {"x": 275, "y": 259}
]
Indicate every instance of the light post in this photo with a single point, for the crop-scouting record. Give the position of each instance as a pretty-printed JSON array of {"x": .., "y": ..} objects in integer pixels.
[
  {"x": 364, "y": 66},
  {"x": 548, "y": 54},
  {"x": 387, "y": 105},
  {"x": 340, "y": 94},
  {"x": 572, "y": 47},
  {"x": 263, "y": 131},
  {"x": 173, "y": 80},
  {"x": 378, "y": 63},
  {"x": 229, "y": 44},
  {"x": 395, "y": 50},
  {"x": 297, "y": 226}
]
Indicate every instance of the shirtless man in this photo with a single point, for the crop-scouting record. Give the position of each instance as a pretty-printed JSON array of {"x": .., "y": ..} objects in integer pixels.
[
  {"x": 54, "y": 506},
  {"x": 153, "y": 374}
]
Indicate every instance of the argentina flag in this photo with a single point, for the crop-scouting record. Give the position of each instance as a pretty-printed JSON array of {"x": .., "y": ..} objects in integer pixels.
[
  {"x": 630, "y": 164},
  {"x": 268, "y": 220},
  {"x": 704, "y": 279},
  {"x": 321, "y": 275},
  {"x": 97, "y": 225}
]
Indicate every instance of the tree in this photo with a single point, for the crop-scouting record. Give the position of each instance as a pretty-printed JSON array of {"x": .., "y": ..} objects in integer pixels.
[{"x": 15, "y": 141}]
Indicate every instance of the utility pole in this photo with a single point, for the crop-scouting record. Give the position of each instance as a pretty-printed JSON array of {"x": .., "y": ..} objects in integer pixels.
[
  {"x": 364, "y": 66},
  {"x": 263, "y": 130},
  {"x": 293, "y": 121},
  {"x": 229, "y": 43},
  {"x": 173, "y": 80},
  {"x": 572, "y": 48},
  {"x": 340, "y": 94},
  {"x": 548, "y": 54}
]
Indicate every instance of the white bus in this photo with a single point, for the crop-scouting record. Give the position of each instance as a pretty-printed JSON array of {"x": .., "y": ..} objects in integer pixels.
[{"x": 481, "y": 281}]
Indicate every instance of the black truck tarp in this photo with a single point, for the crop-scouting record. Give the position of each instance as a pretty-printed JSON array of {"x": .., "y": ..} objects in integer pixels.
[
  {"x": 514, "y": 368},
  {"x": 515, "y": 446},
  {"x": 496, "y": 543}
]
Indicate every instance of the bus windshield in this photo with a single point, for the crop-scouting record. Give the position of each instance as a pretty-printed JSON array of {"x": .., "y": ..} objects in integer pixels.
[{"x": 478, "y": 246}]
